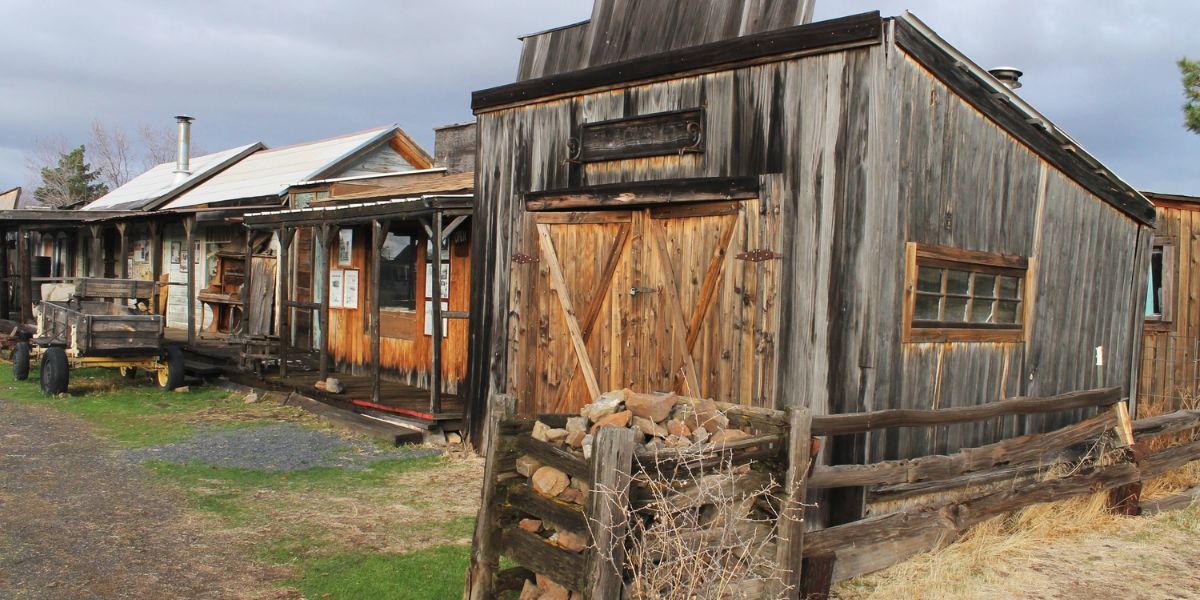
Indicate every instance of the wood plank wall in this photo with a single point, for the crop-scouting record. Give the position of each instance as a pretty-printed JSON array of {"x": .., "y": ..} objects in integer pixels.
[
  {"x": 627, "y": 29},
  {"x": 1170, "y": 370},
  {"x": 405, "y": 358},
  {"x": 871, "y": 152}
]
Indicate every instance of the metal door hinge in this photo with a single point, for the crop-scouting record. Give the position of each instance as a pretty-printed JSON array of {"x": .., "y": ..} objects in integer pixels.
[{"x": 758, "y": 255}]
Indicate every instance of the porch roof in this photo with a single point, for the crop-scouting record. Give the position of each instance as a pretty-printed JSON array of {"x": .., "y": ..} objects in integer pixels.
[{"x": 362, "y": 212}]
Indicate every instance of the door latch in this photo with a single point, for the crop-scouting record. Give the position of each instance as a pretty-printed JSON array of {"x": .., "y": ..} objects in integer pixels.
[{"x": 634, "y": 291}]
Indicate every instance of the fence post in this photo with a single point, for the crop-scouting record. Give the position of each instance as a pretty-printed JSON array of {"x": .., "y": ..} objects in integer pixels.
[
  {"x": 608, "y": 510},
  {"x": 789, "y": 552},
  {"x": 485, "y": 551}
]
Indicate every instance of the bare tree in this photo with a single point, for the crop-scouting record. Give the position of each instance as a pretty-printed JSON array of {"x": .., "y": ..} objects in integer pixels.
[
  {"x": 111, "y": 152},
  {"x": 158, "y": 145},
  {"x": 45, "y": 153}
]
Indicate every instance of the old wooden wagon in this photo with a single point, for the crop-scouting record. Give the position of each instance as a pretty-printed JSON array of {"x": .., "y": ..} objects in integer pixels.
[
  {"x": 96, "y": 327},
  {"x": 848, "y": 216}
]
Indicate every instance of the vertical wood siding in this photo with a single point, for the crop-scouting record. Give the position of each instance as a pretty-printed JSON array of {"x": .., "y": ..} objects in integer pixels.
[
  {"x": 868, "y": 151},
  {"x": 406, "y": 360},
  {"x": 1170, "y": 372}
]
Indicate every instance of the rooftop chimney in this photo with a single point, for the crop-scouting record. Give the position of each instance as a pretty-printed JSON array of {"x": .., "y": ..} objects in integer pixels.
[
  {"x": 1009, "y": 76},
  {"x": 182, "y": 170}
]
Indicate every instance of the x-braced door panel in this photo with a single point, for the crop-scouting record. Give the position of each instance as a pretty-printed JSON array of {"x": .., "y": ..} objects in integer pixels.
[{"x": 667, "y": 299}]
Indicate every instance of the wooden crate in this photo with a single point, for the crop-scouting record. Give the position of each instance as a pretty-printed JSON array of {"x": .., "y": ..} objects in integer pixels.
[
  {"x": 99, "y": 329},
  {"x": 130, "y": 289}
]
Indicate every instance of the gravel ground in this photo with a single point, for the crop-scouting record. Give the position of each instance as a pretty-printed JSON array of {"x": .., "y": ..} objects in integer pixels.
[
  {"x": 79, "y": 521},
  {"x": 278, "y": 447}
]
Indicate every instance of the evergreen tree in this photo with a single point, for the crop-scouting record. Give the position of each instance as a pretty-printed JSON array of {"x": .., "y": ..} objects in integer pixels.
[
  {"x": 1191, "y": 91},
  {"x": 70, "y": 183}
]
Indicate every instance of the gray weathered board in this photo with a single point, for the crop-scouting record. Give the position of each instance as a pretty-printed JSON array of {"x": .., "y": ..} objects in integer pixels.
[{"x": 861, "y": 150}]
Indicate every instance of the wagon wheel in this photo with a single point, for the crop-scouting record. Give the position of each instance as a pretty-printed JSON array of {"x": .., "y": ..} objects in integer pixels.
[
  {"x": 128, "y": 372},
  {"x": 170, "y": 375},
  {"x": 56, "y": 373}
]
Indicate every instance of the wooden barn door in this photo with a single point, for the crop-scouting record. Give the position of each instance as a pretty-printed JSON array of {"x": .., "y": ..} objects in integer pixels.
[{"x": 663, "y": 299}]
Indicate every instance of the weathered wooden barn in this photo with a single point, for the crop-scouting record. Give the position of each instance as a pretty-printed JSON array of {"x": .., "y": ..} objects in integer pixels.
[
  {"x": 1170, "y": 374},
  {"x": 848, "y": 215}
]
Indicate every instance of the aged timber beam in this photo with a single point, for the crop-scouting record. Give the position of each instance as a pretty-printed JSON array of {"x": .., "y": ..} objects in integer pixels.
[
  {"x": 645, "y": 193},
  {"x": 325, "y": 238},
  {"x": 435, "y": 375},
  {"x": 378, "y": 236},
  {"x": 285, "y": 337},
  {"x": 96, "y": 260},
  {"x": 122, "y": 267},
  {"x": 155, "y": 264},
  {"x": 870, "y": 421},
  {"x": 189, "y": 230},
  {"x": 25, "y": 268},
  {"x": 247, "y": 284},
  {"x": 5, "y": 284}
]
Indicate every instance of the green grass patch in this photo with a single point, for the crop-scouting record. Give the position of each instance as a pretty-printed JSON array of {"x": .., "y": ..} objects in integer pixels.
[
  {"x": 431, "y": 574},
  {"x": 227, "y": 492},
  {"x": 133, "y": 413}
]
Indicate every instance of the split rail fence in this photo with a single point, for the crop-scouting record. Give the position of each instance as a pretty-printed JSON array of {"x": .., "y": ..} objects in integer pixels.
[{"x": 933, "y": 499}]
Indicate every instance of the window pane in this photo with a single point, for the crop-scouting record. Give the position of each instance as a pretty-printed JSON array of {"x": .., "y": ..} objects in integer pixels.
[
  {"x": 981, "y": 311},
  {"x": 985, "y": 286},
  {"x": 929, "y": 279},
  {"x": 1155, "y": 283},
  {"x": 398, "y": 272},
  {"x": 956, "y": 310},
  {"x": 1010, "y": 287},
  {"x": 1007, "y": 312},
  {"x": 927, "y": 308},
  {"x": 958, "y": 282}
]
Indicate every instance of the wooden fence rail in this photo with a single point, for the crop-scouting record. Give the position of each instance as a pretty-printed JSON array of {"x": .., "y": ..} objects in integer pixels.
[{"x": 926, "y": 502}]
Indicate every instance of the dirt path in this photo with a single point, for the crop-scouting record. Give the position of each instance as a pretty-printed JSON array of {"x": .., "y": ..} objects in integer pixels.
[{"x": 79, "y": 521}]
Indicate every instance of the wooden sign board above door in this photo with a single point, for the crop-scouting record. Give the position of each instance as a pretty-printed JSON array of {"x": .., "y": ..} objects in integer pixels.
[{"x": 676, "y": 132}]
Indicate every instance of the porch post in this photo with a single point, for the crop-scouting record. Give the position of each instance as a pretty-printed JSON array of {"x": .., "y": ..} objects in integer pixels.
[
  {"x": 25, "y": 268},
  {"x": 189, "y": 228},
  {"x": 96, "y": 262},
  {"x": 5, "y": 284},
  {"x": 122, "y": 270},
  {"x": 248, "y": 272},
  {"x": 378, "y": 235},
  {"x": 325, "y": 239},
  {"x": 285, "y": 328},
  {"x": 435, "y": 378},
  {"x": 155, "y": 264}
]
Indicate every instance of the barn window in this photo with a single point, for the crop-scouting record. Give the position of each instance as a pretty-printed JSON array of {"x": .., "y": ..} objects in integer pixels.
[
  {"x": 1160, "y": 284},
  {"x": 957, "y": 295}
]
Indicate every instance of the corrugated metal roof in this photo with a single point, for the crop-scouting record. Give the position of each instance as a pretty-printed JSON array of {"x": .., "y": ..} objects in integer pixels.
[
  {"x": 271, "y": 172},
  {"x": 160, "y": 181}
]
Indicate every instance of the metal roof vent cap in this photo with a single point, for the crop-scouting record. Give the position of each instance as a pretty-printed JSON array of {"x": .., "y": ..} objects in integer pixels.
[
  {"x": 1009, "y": 76},
  {"x": 182, "y": 167}
]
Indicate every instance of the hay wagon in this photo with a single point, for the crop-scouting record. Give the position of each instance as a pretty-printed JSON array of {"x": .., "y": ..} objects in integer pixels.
[{"x": 97, "y": 327}]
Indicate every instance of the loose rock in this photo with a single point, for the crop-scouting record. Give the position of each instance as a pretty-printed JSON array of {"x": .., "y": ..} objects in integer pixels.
[
  {"x": 650, "y": 406},
  {"x": 527, "y": 465},
  {"x": 530, "y": 525},
  {"x": 549, "y": 481},
  {"x": 620, "y": 419},
  {"x": 539, "y": 431}
]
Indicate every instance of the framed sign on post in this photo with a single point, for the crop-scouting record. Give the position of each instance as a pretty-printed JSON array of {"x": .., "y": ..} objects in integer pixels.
[
  {"x": 336, "y": 281},
  {"x": 350, "y": 287},
  {"x": 429, "y": 319},
  {"x": 345, "y": 247}
]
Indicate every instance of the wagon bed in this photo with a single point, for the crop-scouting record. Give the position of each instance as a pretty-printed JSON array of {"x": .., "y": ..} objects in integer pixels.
[{"x": 91, "y": 328}]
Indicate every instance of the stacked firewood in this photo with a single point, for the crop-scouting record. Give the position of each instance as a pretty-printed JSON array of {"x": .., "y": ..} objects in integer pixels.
[{"x": 661, "y": 422}]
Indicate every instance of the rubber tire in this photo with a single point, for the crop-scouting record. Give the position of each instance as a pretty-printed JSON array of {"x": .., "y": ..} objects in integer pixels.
[
  {"x": 56, "y": 373},
  {"x": 128, "y": 372},
  {"x": 175, "y": 375},
  {"x": 21, "y": 361}
]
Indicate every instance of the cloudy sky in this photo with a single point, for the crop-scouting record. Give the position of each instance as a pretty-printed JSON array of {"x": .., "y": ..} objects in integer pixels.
[{"x": 286, "y": 72}]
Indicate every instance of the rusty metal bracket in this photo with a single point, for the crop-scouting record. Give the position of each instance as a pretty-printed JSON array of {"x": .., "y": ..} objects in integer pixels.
[
  {"x": 524, "y": 259},
  {"x": 758, "y": 255}
]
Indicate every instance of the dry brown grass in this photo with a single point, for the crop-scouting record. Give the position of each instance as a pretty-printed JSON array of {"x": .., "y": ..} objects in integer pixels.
[{"x": 416, "y": 510}]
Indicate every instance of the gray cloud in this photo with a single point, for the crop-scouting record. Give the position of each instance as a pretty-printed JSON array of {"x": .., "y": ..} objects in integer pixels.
[{"x": 289, "y": 72}]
